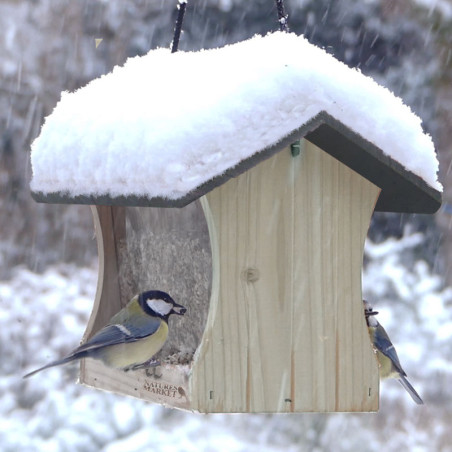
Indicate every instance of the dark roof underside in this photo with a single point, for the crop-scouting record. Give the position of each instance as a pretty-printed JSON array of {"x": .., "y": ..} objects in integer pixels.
[{"x": 401, "y": 190}]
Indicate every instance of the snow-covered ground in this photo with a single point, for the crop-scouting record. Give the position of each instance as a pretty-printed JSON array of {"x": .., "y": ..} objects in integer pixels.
[{"x": 42, "y": 316}]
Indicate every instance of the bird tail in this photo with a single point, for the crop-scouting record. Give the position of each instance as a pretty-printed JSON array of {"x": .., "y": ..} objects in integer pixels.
[
  {"x": 58, "y": 362},
  {"x": 414, "y": 395}
]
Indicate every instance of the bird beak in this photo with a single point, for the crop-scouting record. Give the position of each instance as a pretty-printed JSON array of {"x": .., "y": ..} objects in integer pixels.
[
  {"x": 179, "y": 310},
  {"x": 368, "y": 314}
]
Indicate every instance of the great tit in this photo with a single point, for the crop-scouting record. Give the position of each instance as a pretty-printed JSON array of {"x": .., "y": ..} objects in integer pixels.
[
  {"x": 133, "y": 335},
  {"x": 390, "y": 366}
]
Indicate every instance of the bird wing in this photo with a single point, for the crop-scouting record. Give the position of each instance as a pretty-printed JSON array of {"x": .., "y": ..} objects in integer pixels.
[
  {"x": 131, "y": 329},
  {"x": 385, "y": 346}
]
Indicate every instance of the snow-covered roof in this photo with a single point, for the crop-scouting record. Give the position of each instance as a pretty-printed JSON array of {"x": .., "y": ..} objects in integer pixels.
[{"x": 164, "y": 125}]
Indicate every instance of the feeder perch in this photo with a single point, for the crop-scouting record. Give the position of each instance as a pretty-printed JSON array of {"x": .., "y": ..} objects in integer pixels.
[{"x": 265, "y": 253}]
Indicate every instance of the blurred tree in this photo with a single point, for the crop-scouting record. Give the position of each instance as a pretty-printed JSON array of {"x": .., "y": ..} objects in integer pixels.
[{"x": 439, "y": 20}]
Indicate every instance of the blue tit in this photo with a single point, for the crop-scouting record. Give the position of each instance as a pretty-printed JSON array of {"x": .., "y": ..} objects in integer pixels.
[
  {"x": 133, "y": 335},
  {"x": 388, "y": 360}
]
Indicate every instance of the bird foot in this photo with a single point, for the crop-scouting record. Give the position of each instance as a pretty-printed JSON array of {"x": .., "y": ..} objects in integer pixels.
[{"x": 146, "y": 365}]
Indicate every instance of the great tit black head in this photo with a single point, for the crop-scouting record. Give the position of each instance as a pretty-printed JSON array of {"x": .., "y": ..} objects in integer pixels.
[{"x": 160, "y": 304}]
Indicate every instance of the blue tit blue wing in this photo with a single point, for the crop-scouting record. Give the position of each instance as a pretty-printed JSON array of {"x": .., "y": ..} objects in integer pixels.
[
  {"x": 132, "y": 329},
  {"x": 385, "y": 346}
]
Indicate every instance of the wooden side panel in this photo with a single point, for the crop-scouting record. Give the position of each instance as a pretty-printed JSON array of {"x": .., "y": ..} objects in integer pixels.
[
  {"x": 109, "y": 225},
  {"x": 331, "y": 350},
  {"x": 286, "y": 330}
]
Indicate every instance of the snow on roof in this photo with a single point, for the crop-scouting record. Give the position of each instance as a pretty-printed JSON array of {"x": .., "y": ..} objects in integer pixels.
[{"x": 163, "y": 124}]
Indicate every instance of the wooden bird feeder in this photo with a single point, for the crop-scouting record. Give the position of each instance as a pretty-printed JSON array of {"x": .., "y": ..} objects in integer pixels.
[{"x": 267, "y": 257}]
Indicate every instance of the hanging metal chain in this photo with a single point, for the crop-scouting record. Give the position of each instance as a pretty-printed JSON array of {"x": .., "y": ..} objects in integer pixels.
[
  {"x": 181, "y": 7},
  {"x": 282, "y": 16}
]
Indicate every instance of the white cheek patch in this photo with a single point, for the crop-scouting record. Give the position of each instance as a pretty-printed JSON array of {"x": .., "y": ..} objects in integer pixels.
[{"x": 159, "y": 306}]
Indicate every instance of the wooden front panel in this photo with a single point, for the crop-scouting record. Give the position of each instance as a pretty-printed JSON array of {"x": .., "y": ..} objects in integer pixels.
[{"x": 286, "y": 330}]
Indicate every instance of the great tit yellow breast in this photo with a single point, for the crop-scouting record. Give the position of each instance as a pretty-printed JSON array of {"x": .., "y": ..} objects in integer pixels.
[{"x": 132, "y": 353}]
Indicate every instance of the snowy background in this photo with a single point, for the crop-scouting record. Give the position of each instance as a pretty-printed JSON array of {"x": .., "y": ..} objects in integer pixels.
[
  {"x": 47, "y": 253},
  {"x": 50, "y": 412}
]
